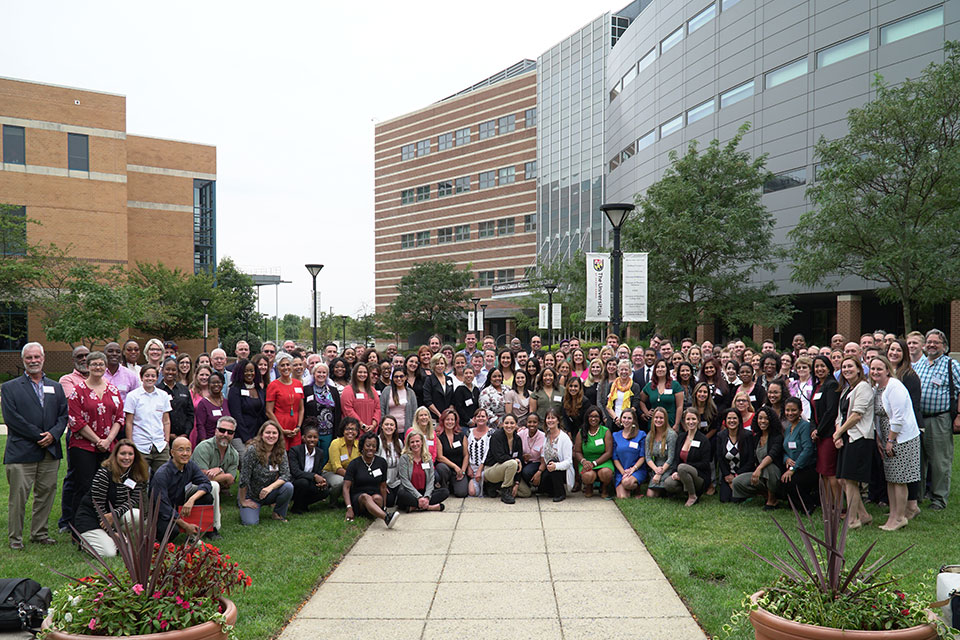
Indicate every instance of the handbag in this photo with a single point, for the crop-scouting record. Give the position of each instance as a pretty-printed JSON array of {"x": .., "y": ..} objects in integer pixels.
[
  {"x": 948, "y": 594},
  {"x": 23, "y": 604}
]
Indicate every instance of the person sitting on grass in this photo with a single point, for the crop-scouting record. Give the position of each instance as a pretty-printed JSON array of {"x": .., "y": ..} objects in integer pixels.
[
  {"x": 692, "y": 460},
  {"x": 265, "y": 476},
  {"x": 172, "y": 481},
  {"x": 219, "y": 461},
  {"x": 661, "y": 442},
  {"x": 306, "y": 468},
  {"x": 764, "y": 479},
  {"x": 342, "y": 452},
  {"x": 593, "y": 450},
  {"x": 417, "y": 476},
  {"x": 629, "y": 449},
  {"x": 365, "y": 483}
]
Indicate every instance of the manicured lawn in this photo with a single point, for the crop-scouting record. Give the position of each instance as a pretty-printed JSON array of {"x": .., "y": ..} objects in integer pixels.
[
  {"x": 701, "y": 552},
  {"x": 286, "y": 561}
]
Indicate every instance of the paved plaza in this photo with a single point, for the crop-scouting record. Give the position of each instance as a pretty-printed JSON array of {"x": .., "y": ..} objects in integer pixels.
[{"x": 536, "y": 569}]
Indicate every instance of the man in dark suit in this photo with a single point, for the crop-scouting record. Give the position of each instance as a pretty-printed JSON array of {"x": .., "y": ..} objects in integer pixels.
[
  {"x": 642, "y": 374},
  {"x": 306, "y": 469},
  {"x": 35, "y": 412}
]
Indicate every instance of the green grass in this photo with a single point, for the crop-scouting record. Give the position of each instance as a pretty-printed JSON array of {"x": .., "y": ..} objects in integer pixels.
[
  {"x": 286, "y": 561},
  {"x": 700, "y": 549}
]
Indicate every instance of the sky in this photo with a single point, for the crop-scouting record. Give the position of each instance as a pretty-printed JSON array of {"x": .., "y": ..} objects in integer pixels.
[{"x": 289, "y": 93}]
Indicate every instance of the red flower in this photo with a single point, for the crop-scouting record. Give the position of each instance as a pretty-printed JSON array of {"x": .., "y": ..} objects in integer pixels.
[
  {"x": 905, "y": 612},
  {"x": 902, "y": 595}
]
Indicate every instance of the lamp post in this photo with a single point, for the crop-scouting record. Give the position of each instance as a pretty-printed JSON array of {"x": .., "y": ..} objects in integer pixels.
[
  {"x": 314, "y": 270},
  {"x": 206, "y": 322},
  {"x": 616, "y": 213},
  {"x": 344, "y": 321},
  {"x": 482, "y": 319},
  {"x": 550, "y": 287},
  {"x": 475, "y": 302}
]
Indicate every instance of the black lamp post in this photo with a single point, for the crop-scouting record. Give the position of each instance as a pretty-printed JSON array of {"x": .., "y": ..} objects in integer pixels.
[
  {"x": 206, "y": 322},
  {"x": 550, "y": 287},
  {"x": 344, "y": 320},
  {"x": 314, "y": 270},
  {"x": 616, "y": 213},
  {"x": 475, "y": 302}
]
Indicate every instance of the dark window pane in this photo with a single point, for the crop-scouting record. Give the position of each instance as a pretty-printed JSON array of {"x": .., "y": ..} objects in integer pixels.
[
  {"x": 78, "y": 152},
  {"x": 14, "y": 148}
]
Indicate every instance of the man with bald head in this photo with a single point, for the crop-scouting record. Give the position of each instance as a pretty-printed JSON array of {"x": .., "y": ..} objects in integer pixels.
[
  {"x": 171, "y": 482},
  {"x": 837, "y": 341},
  {"x": 79, "y": 373},
  {"x": 854, "y": 350},
  {"x": 116, "y": 374},
  {"x": 242, "y": 351}
]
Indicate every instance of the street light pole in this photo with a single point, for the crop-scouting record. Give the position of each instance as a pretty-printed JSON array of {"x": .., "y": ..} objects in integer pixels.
[
  {"x": 616, "y": 213},
  {"x": 206, "y": 322},
  {"x": 550, "y": 287},
  {"x": 314, "y": 270},
  {"x": 344, "y": 320}
]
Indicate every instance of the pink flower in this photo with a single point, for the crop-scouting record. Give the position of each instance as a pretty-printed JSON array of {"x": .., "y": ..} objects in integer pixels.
[
  {"x": 157, "y": 595},
  {"x": 186, "y": 605},
  {"x": 179, "y": 600},
  {"x": 138, "y": 588},
  {"x": 93, "y": 624},
  {"x": 163, "y": 624}
]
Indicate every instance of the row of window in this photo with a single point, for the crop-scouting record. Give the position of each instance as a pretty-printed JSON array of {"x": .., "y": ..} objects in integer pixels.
[
  {"x": 461, "y": 233},
  {"x": 828, "y": 55},
  {"x": 485, "y": 180},
  {"x": 15, "y": 148},
  {"x": 460, "y": 137},
  {"x": 487, "y": 278}
]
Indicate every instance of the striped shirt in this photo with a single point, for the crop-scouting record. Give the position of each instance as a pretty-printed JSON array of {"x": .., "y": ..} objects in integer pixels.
[{"x": 935, "y": 395}]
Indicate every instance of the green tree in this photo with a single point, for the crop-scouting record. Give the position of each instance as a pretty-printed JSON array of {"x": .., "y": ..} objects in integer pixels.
[
  {"x": 708, "y": 234},
  {"x": 432, "y": 296},
  {"x": 233, "y": 309},
  {"x": 290, "y": 326},
  {"x": 886, "y": 194},
  {"x": 172, "y": 308}
]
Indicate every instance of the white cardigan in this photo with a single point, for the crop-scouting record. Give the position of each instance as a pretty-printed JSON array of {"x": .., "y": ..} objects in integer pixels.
[
  {"x": 565, "y": 451},
  {"x": 899, "y": 407},
  {"x": 861, "y": 401}
]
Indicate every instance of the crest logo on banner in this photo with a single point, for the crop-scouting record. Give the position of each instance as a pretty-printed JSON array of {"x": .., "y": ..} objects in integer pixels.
[
  {"x": 598, "y": 288},
  {"x": 598, "y": 264}
]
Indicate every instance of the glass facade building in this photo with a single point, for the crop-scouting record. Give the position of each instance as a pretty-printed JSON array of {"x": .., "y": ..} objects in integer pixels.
[{"x": 204, "y": 226}]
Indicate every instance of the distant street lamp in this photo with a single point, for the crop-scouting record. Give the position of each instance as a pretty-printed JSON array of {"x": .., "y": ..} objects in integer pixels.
[
  {"x": 206, "y": 322},
  {"x": 344, "y": 320},
  {"x": 616, "y": 213},
  {"x": 314, "y": 270},
  {"x": 550, "y": 287}
]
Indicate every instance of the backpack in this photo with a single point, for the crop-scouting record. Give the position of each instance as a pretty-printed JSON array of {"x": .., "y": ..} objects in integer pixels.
[{"x": 23, "y": 604}]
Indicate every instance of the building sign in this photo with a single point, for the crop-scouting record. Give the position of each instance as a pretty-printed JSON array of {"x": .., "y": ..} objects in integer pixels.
[{"x": 510, "y": 289}]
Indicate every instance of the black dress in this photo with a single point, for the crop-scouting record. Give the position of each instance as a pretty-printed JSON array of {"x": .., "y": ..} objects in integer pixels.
[{"x": 181, "y": 408}]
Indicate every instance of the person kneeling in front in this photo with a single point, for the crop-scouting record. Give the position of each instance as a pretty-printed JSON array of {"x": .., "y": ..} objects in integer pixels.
[
  {"x": 265, "y": 476},
  {"x": 365, "y": 483},
  {"x": 170, "y": 483},
  {"x": 306, "y": 468},
  {"x": 220, "y": 462},
  {"x": 341, "y": 453},
  {"x": 416, "y": 473},
  {"x": 504, "y": 461}
]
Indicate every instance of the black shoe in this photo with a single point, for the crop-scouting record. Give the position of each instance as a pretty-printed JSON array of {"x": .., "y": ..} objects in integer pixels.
[
  {"x": 769, "y": 507},
  {"x": 213, "y": 535},
  {"x": 506, "y": 496},
  {"x": 391, "y": 519},
  {"x": 442, "y": 506},
  {"x": 559, "y": 498}
]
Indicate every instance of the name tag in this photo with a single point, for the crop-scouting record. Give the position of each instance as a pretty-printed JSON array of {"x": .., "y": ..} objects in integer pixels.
[
  {"x": 116, "y": 400},
  {"x": 598, "y": 442},
  {"x": 345, "y": 456},
  {"x": 361, "y": 396},
  {"x": 403, "y": 399},
  {"x": 468, "y": 402},
  {"x": 217, "y": 412},
  {"x": 937, "y": 380},
  {"x": 47, "y": 389},
  {"x": 703, "y": 423},
  {"x": 311, "y": 398},
  {"x": 668, "y": 392},
  {"x": 717, "y": 392},
  {"x": 425, "y": 466},
  {"x": 514, "y": 454},
  {"x": 456, "y": 445},
  {"x": 817, "y": 395},
  {"x": 245, "y": 393},
  {"x": 376, "y": 473},
  {"x": 753, "y": 398},
  {"x": 634, "y": 445},
  {"x": 130, "y": 483},
  {"x": 791, "y": 445},
  {"x": 298, "y": 390},
  {"x": 558, "y": 398},
  {"x": 695, "y": 444},
  {"x": 429, "y": 443}
]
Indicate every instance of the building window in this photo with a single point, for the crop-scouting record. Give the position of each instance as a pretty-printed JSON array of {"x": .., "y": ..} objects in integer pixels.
[
  {"x": 647, "y": 140},
  {"x": 445, "y": 235},
  {"x": 485, "y": 278},
  {"x": 529, "y": 222},
  {"x": 488, "y": 179},
  {"x": 13, "y": 327},
  {"x": 701, "y": 18},
  {"x": 487, "y": 130},
  {"x": 13, "y": 231},
  {"x": 423, "y": 193},
  {"x": 204, "y": 225},
  {"x": 614, "y": 163},
  {"x": 423, "y": 148},
  {"x": 508, "y": 124},
  {"x": 671, "y": 40},
  {"x": 407, "y": 151},
  {"x": 628, "y": 151},
  {"x": 617, "y": 88},
  {"x": 911, "y": 26},
  {"x": 529, "y": 170},
  {"x": 726, "y": 4},
  {"x": 14, "y": 145},
  {"x": 462, "y": 232},
  {"x": 736, "y": 94},
  {"x": 486, "y": 229},
  {"x": 78, "y": 152},
  {"x": 671, "y": 126},
  {"x": 445, "y": 141},
  {"x": 504, "y": 275},
  {"x": 463, "y": 136},
  {"x": 406, "y": 196},
  {"x": 786, "y": 180},
  {"x": 786, "y": 73},
  {"x": 507, "y": 175},
  {"x": 407, "y": 241},
  {"x": 462, "y": 185},
  {"x": 505, "y": 227},
  {"x": 444, "y": 188},
  {"x": 530, "y": 117},
  {"x": 701, "y": 111},
  {"x": 629, "y": 76},
  {"x": 647, "y": 60},
  {"x": 423, "y": 238},
  {"x": 843, "y": 50}
]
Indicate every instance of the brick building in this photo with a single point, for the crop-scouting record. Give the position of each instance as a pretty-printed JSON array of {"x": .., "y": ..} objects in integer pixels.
[
  {"x": 113, "y": 198},
  {"x": 456, "y": 181}
]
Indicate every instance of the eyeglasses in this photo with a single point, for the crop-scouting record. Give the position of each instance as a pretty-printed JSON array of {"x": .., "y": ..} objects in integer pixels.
[
  {"x": 269, "y": 353},
  {"x": 220, "y": 430}
]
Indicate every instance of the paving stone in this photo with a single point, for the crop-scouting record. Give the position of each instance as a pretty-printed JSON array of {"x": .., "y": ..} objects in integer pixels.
[
  {"x": 343, "y": 601},
  {"x": 680, "y": 628},
  {"x": 507, "y": 599},
  {"x": 531, "y": 567}
]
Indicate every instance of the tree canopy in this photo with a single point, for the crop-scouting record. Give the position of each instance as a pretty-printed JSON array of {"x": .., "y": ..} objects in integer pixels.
[{"x": 432, "y": 296}]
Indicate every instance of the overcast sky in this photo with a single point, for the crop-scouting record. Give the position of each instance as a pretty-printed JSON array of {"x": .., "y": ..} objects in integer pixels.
[{"x": 289, "y": 92}]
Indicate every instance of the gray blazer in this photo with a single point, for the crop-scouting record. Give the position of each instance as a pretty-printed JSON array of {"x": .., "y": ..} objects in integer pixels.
[
  {"x": 411, "y": 407},
  {"x": 26, "y": 419},
  {"x": 405, "y": 468}
]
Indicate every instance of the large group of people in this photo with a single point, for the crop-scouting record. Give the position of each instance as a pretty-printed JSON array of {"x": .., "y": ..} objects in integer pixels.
[{"x": 384, "y": 432}]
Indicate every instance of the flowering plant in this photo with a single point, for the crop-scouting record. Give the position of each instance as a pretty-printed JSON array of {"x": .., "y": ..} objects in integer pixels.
[{"x": 165, "y": 586}]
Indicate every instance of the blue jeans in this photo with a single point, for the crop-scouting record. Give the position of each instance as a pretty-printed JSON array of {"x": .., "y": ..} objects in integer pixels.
[{"x": 280, "y": 498}]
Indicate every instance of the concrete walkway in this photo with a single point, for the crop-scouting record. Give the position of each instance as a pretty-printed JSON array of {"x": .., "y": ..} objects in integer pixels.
[{"x": 484, "y": 569}]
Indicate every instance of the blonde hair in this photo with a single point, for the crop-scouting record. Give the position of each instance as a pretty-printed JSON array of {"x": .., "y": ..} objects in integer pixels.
[
  {"x": 607, "y": 349},
  {"x": 416, "y": 423},
  {"x": 745, "y": 396},
  {"x": 590, "y": 381},
  {"x": 424, "y": 452},
  {"x": 654, "y": 434}
]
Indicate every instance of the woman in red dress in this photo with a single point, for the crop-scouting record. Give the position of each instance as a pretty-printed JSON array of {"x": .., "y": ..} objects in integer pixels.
[{"x": 285, "y": 401}]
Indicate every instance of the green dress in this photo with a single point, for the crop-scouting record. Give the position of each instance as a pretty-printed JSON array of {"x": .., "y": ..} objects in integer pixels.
[
  {"x": 666, "y": 400},
  {"x": 593, "y": 448}
]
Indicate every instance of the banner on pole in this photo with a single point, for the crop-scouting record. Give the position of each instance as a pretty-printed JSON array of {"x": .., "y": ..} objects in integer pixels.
[
  {"x": 634, "y": 287},
  {"x": 598, "y": 287},
  {"x": 471, "y": 321},
  {"x": 544, "y": 316}
]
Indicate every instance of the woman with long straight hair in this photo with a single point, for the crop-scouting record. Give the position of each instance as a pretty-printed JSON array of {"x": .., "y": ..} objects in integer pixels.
[{"x": 853, "y": 437}]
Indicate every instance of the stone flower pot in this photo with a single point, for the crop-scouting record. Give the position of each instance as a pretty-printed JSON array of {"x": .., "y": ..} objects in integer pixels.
[{"x": 205, "y": 631}]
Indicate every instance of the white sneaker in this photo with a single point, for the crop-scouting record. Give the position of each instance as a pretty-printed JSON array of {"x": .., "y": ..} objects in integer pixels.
[{"x": 391, "y": 519}]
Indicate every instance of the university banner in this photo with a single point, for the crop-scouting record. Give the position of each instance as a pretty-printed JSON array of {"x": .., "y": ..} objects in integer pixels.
[
  {"x": 634, "y": 287},
  {"x": 598, "y": 287}
]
